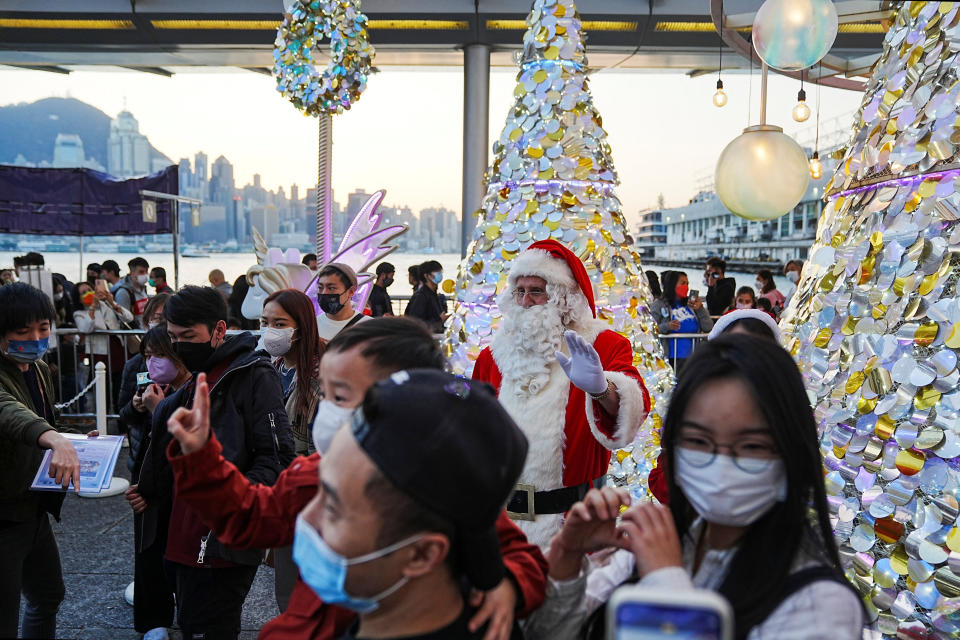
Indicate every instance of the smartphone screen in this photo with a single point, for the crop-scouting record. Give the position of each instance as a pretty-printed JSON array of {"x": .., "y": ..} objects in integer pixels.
[
  {"x": 650, "y": 621},
  {"x": 694, "y": 293},
  {"x": 143, "y": 378}
]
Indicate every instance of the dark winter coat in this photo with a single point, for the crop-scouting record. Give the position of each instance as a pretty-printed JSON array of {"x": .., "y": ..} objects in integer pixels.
[
  {"x": 20, "y": 455},
  {"x": 248, "y": 417}
]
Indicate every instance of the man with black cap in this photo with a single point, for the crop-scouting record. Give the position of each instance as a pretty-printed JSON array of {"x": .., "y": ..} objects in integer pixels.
[
  {"x": 396, "y": 523},
  {"x": 336, "y": 286}
]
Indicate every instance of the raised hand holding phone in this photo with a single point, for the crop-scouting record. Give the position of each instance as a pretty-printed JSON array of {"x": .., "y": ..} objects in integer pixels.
[{"x": 191, "y": 427}]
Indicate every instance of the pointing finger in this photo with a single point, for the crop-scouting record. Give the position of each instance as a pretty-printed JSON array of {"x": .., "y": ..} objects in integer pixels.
[{"x": 201, "y": 401}]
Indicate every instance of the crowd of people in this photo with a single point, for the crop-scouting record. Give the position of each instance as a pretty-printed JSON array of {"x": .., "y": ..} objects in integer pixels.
[
  {"x": 395, "y": 500},
  {"x": 680, "y": 308}
]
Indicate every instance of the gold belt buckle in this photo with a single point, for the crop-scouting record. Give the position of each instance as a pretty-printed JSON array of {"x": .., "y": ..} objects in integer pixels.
[{"x": 529, "y": 515}]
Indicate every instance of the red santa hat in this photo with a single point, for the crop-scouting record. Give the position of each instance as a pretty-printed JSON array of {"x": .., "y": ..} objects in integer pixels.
[{"x": 550, "y": 260}]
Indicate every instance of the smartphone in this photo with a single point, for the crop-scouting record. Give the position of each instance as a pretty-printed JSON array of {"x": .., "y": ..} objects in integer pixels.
[
  {"x": 143, "y": 379},
  {"x": 694, "y": 294},
  {"x": 644, "y": 613},
  {"x": 101, "y": 285}
]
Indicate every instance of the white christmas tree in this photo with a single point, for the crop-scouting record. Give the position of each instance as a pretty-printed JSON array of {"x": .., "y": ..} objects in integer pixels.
[
  {"x": 875, "y": 328},
  {"x": 553, "y": 177}
]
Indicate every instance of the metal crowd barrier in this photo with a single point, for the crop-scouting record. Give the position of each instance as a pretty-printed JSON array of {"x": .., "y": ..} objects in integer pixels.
[{"x": 673, "y": 338}]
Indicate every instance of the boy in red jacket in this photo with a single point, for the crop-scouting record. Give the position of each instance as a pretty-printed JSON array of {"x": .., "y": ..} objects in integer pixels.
[{"x": 247, "y": 515}]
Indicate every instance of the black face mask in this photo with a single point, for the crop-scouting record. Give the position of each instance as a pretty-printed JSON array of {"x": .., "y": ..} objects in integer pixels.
[
  {"x": 193, "y": 355},
  {"x": 330, "y": 303},
  {"x": 387, "y": 282}
]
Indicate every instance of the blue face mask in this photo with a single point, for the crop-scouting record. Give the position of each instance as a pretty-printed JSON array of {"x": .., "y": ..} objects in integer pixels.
[
  {"x": 325, "y": 571},
  {"x": 438, "y": 277},
  {"x": 27, "y": 351}
]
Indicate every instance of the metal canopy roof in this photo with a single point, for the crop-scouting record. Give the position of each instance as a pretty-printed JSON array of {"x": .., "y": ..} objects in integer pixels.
[{"x": 154, "y": 35}]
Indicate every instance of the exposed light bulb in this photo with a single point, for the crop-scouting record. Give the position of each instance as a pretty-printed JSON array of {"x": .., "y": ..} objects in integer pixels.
[
  {"x": 801, "y": 111},
  {"x": 720, "y": 97},
  {"x": 816, "y": 169}
]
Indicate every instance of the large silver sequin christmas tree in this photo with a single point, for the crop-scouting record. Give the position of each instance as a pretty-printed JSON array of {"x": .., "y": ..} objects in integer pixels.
[
  {"x": 875, "y": 327},
  {"x": 553, "y": 177}
]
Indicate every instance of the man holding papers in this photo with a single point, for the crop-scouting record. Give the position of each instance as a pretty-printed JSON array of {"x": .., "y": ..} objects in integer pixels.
[{"x": 28, "y": 549}]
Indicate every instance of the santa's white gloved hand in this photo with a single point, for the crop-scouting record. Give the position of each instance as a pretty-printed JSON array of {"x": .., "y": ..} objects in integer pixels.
[{"x": 583, "y": 366}]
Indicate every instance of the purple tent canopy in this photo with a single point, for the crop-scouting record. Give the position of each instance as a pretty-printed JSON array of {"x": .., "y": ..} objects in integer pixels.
[{"x": 81, "y": 202}]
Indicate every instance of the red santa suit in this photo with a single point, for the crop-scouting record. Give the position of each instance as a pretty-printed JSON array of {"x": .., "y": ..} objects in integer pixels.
[{"x": 570, "y": 434}]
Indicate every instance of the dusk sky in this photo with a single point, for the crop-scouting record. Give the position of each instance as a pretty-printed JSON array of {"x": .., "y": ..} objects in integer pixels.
[{"x": 404, "y": 134}]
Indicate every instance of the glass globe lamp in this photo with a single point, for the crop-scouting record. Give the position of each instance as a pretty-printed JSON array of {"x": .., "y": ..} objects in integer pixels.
[
  {"x": 791, "y": 35},
  {"x": 762, "y": 174}
]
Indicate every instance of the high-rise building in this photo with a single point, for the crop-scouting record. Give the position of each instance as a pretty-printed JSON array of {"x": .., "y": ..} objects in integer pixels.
[
  {"x": 201, "y": 176},
  {"x": 264, "y": 219},
  {"x": 221, "y": 181},
  {"x": 68, "y": 151},
  {"x": 128, "y": 152}
]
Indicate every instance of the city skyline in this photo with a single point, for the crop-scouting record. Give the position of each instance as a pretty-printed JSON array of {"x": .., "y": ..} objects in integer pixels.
[{"x": 663, "y": 130}]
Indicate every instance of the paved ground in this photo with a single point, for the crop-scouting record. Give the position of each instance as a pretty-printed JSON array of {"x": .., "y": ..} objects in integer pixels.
[{"x": 96, "y": 548}]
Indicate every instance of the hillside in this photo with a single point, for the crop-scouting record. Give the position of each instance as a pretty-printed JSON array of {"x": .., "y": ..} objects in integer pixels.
[{"x": 31, "y": 129}]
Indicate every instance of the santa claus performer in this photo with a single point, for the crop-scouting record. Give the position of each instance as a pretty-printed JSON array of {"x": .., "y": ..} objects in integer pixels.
[{"x": 565, "y": 378}]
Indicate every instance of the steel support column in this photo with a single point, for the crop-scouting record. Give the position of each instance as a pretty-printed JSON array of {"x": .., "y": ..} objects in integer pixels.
[{"x": 476, "y": 116}]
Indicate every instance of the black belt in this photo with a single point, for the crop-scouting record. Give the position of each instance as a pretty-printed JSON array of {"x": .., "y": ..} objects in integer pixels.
[{"x": 527, "y": 503}]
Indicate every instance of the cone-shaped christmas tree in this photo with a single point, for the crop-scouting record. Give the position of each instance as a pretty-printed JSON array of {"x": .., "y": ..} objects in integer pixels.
[
  {"x": 553, "y": 177},
  {"x": 875, "y": 327}
]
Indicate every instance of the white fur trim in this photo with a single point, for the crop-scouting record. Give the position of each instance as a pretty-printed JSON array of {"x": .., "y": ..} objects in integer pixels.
[
  {"x": 541, "y": 418},
  {"x": 729, "y": 318},
  {"x": 542, "y": 264},
  {"x": 629, "y": 417},
  {"x": 542, "y": 530}
]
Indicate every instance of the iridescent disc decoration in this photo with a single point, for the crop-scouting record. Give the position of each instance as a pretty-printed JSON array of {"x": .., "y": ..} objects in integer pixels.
[
  {"x": 553, "y": 177},
  {"x": 302, "y": 77},
  {"x": 791, "y": 35},
  {"x": 875, "y": 328}
]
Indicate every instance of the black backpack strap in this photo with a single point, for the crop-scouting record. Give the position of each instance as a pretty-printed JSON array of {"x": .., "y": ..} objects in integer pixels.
[{"x": 354, "y": 320}]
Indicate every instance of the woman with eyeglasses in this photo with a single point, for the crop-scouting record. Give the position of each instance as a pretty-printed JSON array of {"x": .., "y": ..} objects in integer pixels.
[{"x": 748, "y": 513}]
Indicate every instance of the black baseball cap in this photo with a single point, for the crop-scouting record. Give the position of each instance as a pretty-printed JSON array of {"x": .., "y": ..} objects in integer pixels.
[{"x": 448, "y": 444}]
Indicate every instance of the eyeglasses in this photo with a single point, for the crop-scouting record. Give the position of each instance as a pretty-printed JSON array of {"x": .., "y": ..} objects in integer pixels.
[
  {"x": 698, "y": 450},
  {"x": 711, "y": 274},
  {"x": 535, "y": 294}
]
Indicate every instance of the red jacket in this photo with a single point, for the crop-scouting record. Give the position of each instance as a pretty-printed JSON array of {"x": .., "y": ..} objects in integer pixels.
[
  {"x": 586, "y": 452},
  {"x": 252, "y": 515}
]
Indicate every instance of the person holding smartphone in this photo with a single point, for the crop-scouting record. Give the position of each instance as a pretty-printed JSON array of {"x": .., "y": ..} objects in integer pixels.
[
  {"x": 680, "y": 310},
  {"x": 152, "y": 592},
  {"x": 748, "y": 514}
]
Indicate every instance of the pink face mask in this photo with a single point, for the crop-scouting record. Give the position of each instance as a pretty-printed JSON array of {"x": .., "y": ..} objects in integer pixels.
[{"x": 161, "y": 370}]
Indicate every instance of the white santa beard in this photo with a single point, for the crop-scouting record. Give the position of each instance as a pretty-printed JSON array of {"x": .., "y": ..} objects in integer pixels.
[{"x": 534, "y": 391}]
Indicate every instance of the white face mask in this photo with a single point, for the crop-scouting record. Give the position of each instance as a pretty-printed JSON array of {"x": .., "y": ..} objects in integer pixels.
[
  {"x": 330, "y": 417},
  {"x": 277, "y": 342},
  {"x": 793, "y": 276},
  {"x": 142, "y": 279},
  {"x": 759, "y": 286},
  {"x": 725, "y": 494},
  {"x": 744, "y": 305}
]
